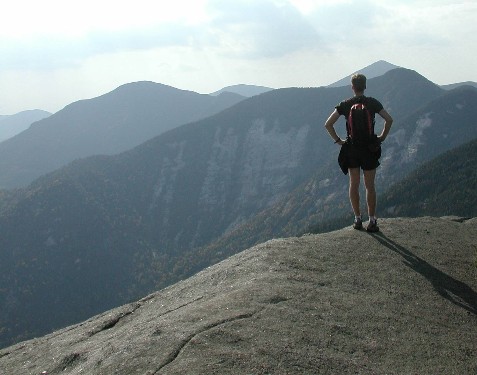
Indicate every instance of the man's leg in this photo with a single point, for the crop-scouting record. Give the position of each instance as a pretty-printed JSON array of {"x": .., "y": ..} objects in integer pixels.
[
  {"x": 354, "y": 177},
  {"x": 369, "y": 177}
]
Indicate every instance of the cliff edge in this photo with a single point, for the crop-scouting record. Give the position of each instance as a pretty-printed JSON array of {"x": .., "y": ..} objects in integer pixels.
[{"x": 346, "y": 302}]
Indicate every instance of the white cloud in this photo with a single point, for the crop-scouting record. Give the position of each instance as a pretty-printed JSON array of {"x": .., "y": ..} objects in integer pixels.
[
  {"x": 56, "y": 51},
  {"x": 46, "y": 17},
  {"x": 260, "y": 29},
  {"x": 241, "y": 29}
]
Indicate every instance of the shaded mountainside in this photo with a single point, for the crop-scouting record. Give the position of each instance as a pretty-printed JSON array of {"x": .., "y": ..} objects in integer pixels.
[
  {"x": 108, "y": 124},
  {"x": 442, "y": 186},
  {"x": 118, "y": 227},
  {"x": 440, "y": 125},
  {"x": 344, "y": 302}
]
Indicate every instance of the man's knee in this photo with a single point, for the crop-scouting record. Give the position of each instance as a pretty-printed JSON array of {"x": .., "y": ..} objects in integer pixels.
[
  {"x": 354, "y": 185},
  {"x": 370, "y": 191},
  {"x": 369, "y": 177}
]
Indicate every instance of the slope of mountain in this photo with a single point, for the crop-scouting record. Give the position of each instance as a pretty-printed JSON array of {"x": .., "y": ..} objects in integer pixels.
[
  {"x": 442, "y": 186},
  {"x": 456, "y": 85},
  {"x": 109, "y": 124},
  {"x": 343, "y": 302},
  {"x": 244, "y": 90},
  {"x": 439, "y": 126},
  {"x": 371, "y": 71},
  {"x": 117, "y": 227},
  {"x": 11, "y": 125}
]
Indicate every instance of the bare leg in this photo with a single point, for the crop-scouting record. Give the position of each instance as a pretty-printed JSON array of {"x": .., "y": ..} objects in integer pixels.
[
  {"x": 369, "y": 177},
  {"x": 354, "y": 180}
]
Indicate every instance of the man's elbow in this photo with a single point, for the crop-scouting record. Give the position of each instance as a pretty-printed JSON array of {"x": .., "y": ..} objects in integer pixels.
[{"x": 388, "y": 120}]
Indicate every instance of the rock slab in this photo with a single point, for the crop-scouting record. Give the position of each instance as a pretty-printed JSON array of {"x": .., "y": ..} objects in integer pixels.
[{"x": 402, "y": 301}]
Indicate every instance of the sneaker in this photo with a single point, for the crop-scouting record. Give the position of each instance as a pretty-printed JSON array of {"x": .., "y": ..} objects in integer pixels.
[
  {"x": 358, "y": 224},
  {"x": 373, "y": 227}
]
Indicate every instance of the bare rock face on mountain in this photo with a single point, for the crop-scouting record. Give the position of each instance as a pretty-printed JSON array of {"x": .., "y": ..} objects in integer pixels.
[{"x": 347, "y": 302}]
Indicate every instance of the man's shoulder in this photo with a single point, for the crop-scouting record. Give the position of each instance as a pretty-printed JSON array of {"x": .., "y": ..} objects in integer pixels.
[
  {"x": 372, "y": 99},
  {"x": 345, "y": 105},
  {"x": 349, "y": 100},
  {"x": 360, "y": 99},
  {"x": 374, "y": 103}
]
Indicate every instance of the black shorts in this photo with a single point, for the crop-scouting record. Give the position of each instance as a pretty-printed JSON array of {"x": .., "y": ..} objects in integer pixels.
[{"x": 362, "y": 157}]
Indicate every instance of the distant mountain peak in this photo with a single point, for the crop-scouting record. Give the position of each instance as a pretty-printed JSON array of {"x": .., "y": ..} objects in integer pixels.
[
  {"x": 371, "y": 71},
  {"x": 459, "y": 84},
  {"x": 243, "y": 90},
  {"x": 11, "y": 125}
]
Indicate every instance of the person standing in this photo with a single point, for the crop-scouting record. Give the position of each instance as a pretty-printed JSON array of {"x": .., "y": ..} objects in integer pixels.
[{"x": 356, "y": 155}]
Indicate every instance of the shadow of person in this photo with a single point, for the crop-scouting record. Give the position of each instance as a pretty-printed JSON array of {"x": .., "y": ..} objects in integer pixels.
[{"x": 451, "y": 289}]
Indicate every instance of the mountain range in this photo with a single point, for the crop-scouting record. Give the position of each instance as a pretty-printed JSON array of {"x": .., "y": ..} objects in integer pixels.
[
  {"x": 112, "y": 123},
  {"x": 105, "y": 230}
]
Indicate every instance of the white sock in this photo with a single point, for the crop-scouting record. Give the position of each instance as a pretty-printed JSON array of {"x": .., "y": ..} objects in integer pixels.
[
  {"x": 357, "y": 217},
  {"x": 372, "y": 219}
]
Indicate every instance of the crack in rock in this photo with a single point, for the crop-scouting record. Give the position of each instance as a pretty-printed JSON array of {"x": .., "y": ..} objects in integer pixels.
[
  {"x": 68, "y": 362},
  {"x": 181, "y": 306},
  {"x": 110, "y": 323},
  {"x": 113, "y": 321},
  {"x": 6, "y": 353},
  {"x": 183, "y": 343}
]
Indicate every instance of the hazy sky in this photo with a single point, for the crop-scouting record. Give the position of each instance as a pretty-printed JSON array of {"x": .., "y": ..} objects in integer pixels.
[{"x": 54, "y": 52}]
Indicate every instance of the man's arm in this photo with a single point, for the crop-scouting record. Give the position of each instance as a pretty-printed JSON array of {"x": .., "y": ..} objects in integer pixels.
[
  {"x": 388, "y": 121},
  {"x": 330, "y": 127}
]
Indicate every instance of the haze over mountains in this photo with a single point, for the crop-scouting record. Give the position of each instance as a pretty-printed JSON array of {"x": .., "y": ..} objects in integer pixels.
[
  {"x": 109, "y": 124},
  {"x": 116, "y": 122},
  {"x": 104, "y": 230}
]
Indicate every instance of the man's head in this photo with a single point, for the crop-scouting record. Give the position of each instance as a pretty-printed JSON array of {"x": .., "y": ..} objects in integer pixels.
[{"x": 358, "y": 82}]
